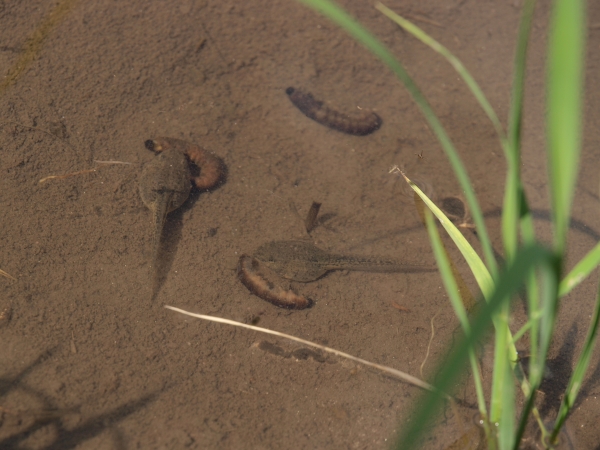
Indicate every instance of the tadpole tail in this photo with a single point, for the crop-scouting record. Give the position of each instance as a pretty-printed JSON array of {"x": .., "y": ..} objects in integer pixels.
[
  {"x": 361, "y": 264},
  {"x": 159, "y": 216}
]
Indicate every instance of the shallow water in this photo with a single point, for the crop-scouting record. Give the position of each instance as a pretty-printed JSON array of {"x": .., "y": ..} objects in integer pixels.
[{"x": 84, "y": 339}]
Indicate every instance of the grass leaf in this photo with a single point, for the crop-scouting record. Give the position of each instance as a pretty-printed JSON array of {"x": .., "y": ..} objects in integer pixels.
[
  {"x": 580, "y": 369},
  {"x": 480, "y": 272},
  {"x": 580, "y": 272},
  {"x": 564, "y": 96},
  {"x": 509, "y": 282}
]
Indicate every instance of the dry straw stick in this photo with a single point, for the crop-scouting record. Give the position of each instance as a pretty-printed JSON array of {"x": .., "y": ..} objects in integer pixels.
[
  {"x": 4, "y": 274},
  {"x": 394, "y": 372},
  {"x": 81, "y": 172},
  {"x": 429, "y": 345}
]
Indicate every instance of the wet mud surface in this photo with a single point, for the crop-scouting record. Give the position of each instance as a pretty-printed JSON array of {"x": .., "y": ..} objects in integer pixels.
[{"x": 88, "y": 360}]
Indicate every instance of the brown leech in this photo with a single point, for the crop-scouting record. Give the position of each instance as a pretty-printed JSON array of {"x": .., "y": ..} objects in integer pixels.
[
  {"x": 359, "y": 124},
  {"x": 251, "y": 276},
  {"x": 212, "y": 168}
]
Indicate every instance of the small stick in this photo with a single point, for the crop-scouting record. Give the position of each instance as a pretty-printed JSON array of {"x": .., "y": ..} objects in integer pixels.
[
  {"x": 395, "y": 170},
  {"x": 60, "y": 177},
  {"x": 311, "y": 217},
  {"x": 112, "y": 162},
  {"x": 394, "y": 372},
  {"x": 4, "y": 274},
  {"x": 429, "y": 345},
  {"x": 81, "y": 172}
]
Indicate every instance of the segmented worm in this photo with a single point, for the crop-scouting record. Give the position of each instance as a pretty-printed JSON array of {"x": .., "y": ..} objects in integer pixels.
[
  {"x": 359, "y": 123},
  {"x": 212, "y": 168},
  {"x": 254, "y": 279}
]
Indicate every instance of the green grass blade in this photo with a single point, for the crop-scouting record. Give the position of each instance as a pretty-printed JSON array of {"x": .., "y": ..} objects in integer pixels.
[
  {"x": 549, "y": 308},
  {"x": 548, "y": 276},
  {"x": 509, "y": 282},
  {"x": 564, "y": 97},
  {"x": 360, "y": 34},
  {"x": 521, "y": 332},
  {"x": 480, "y": 272},
  {"x": 580, "y": 369},
  {"x": 506, "y": 426},
  {"x": 504, "y": 353},
  {"x": 580, "y": 272},
  {"x": 443, "y": 261},
  {"x": 453, "y": 60},
  {"x": 510, "y": 211},
  {"x": 516, "y": 101},
  {"x": 505, "y": 349},
  {"x": 524, "y": 419},
  {"x": 448, "y": 279},
  {"x": 515, "y": 203},
  {"x": 528, "y": 234}
]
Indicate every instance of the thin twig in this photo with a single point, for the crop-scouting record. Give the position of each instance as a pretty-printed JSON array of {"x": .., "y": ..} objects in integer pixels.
[
  {"x": 394, "y": 372},
  {"x": 429, "y": 345},
  {"x": 81, "y": 172},
  {"x": 60, "y": 177},
  {"x": 4, "y": 274},
  {"x": 112, "y": 162}
]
